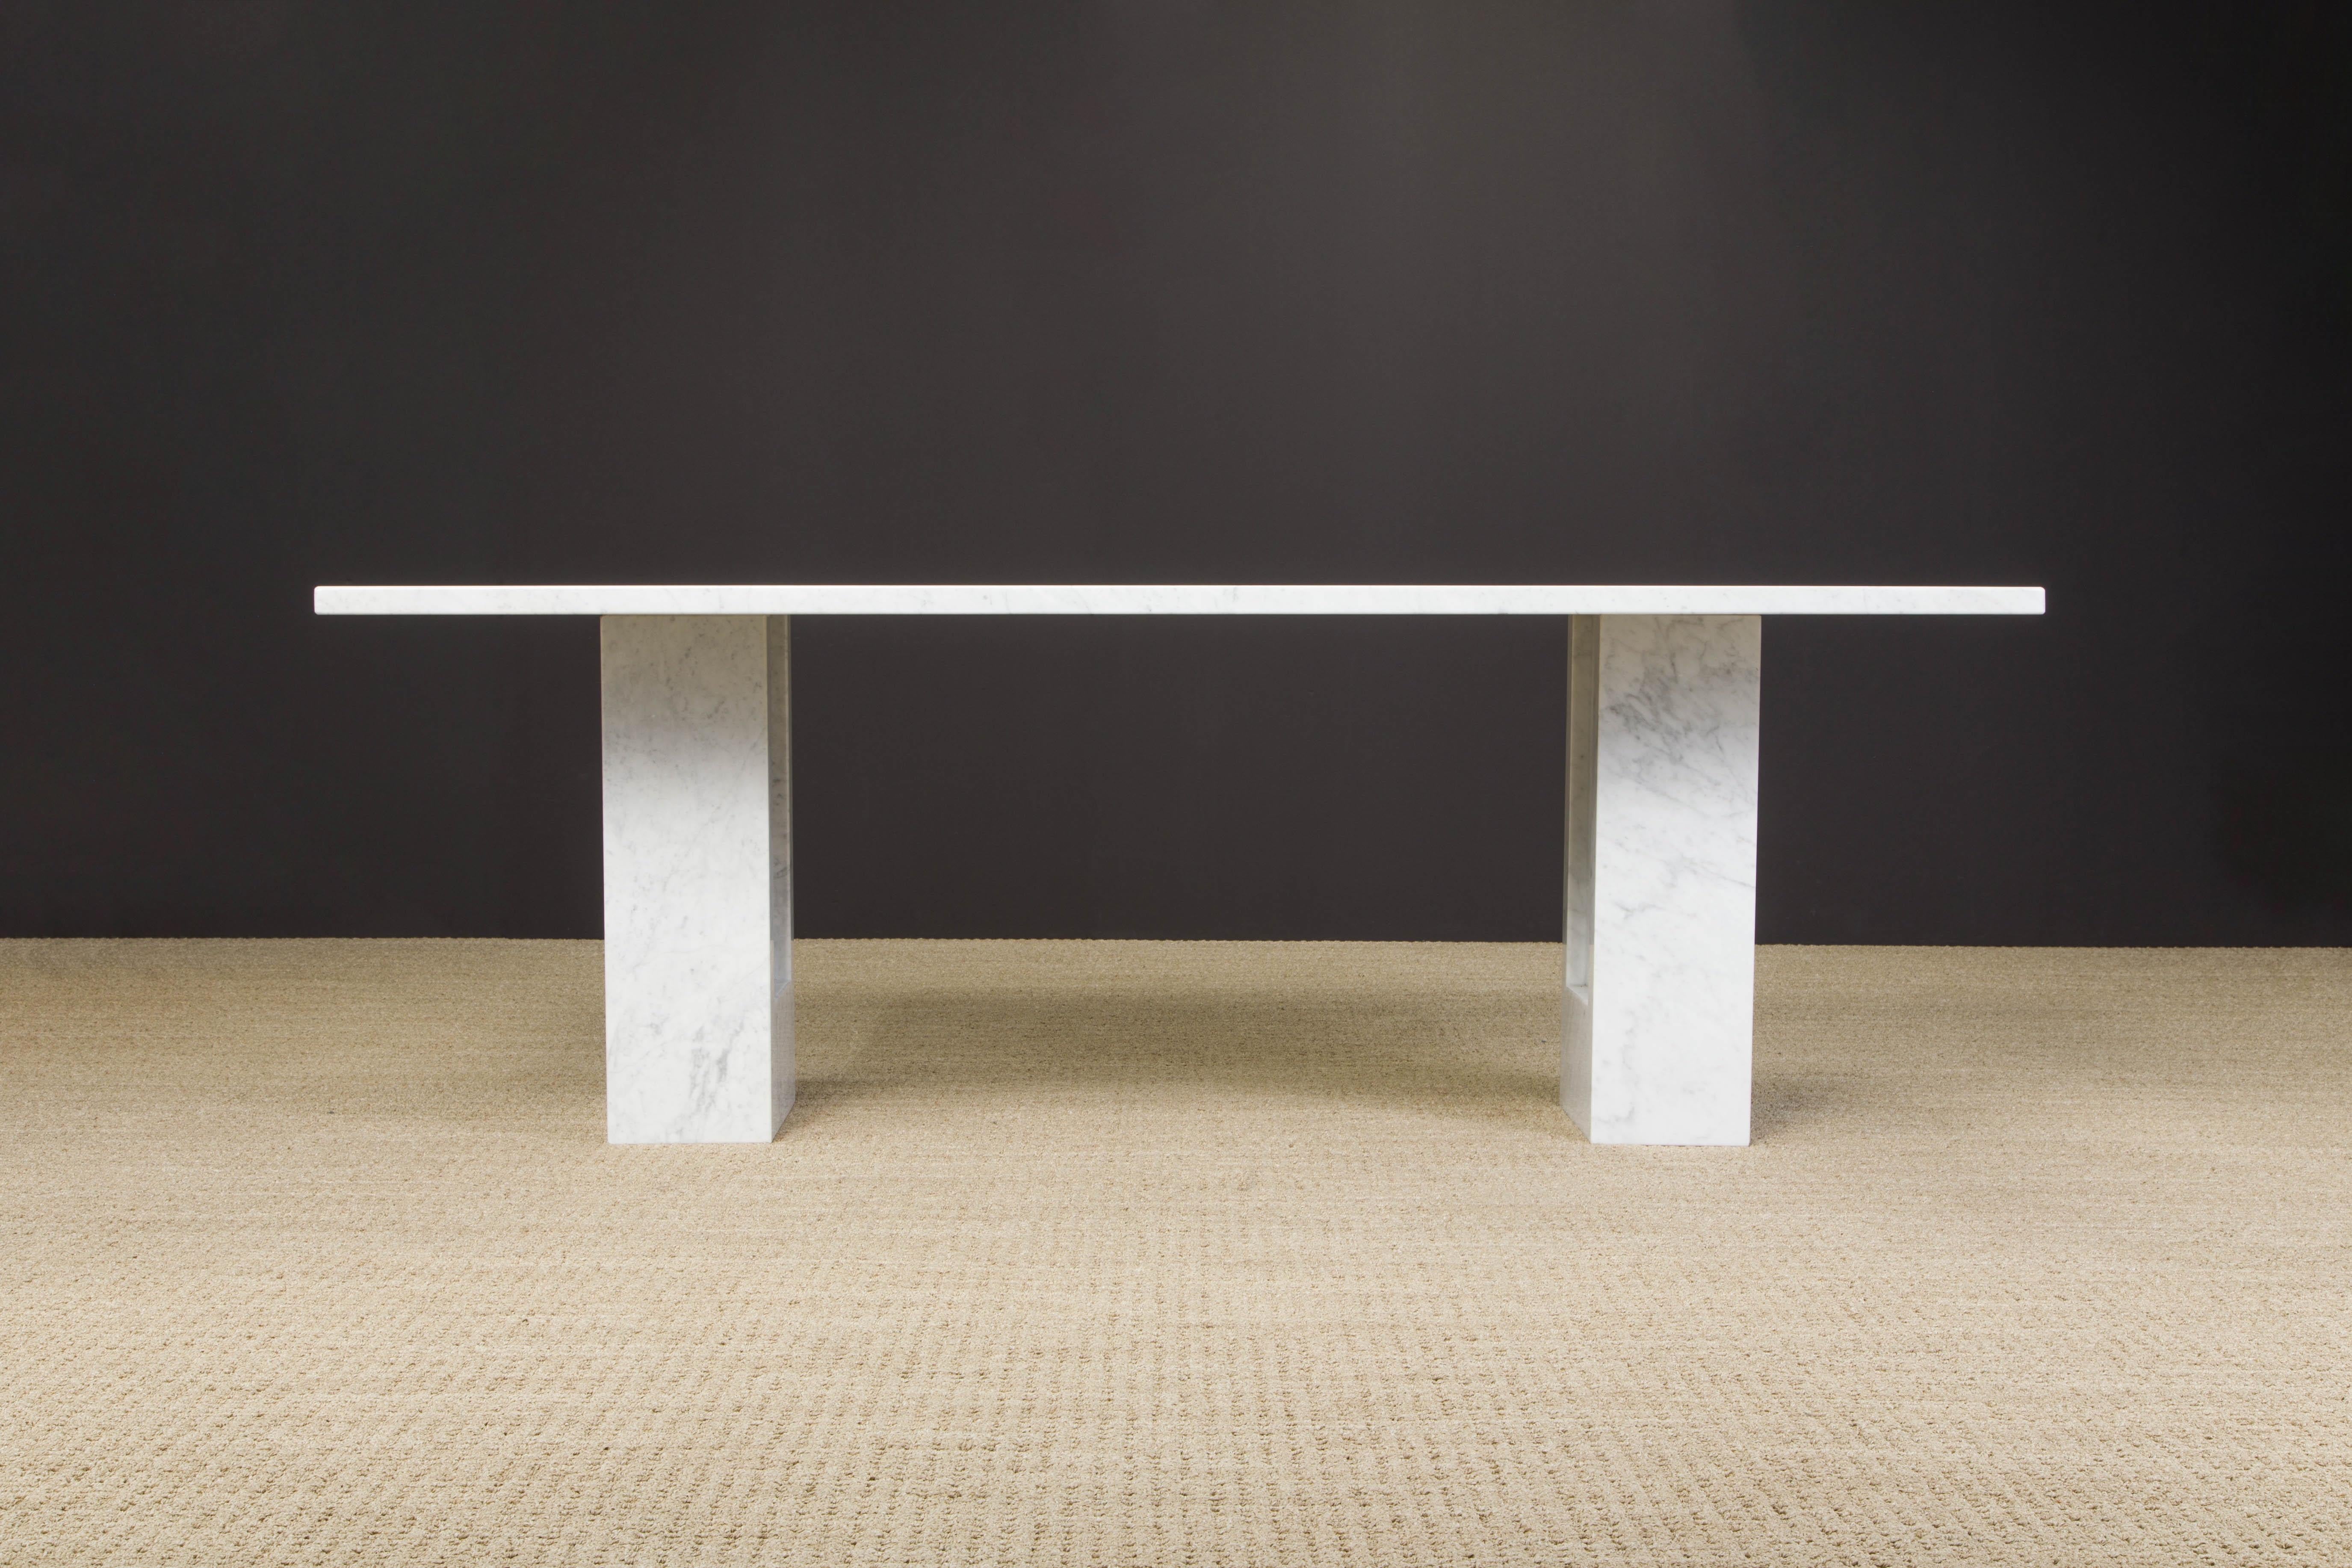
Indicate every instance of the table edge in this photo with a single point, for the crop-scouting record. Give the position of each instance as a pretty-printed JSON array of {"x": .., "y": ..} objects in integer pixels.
[{"x": 1172, "y": 599}]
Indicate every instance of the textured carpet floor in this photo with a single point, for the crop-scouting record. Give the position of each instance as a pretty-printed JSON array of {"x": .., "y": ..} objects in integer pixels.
[{"x": 1156, "y": 1253}]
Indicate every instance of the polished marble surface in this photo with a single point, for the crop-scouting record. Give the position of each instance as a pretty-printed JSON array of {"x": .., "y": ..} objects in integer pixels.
[{"x": 1172, "y": 599}]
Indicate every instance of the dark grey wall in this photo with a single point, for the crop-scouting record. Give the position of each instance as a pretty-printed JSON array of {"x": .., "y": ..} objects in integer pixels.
[{"x": 1174, "y": 291}]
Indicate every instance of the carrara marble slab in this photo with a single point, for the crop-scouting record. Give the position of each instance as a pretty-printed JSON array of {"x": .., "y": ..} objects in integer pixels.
[{"x": 1180, "y": 599}]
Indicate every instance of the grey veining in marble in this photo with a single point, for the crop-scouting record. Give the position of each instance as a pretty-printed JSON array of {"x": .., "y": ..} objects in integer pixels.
[
  {"x": 697, "y": 878},
  {"x": 1658, "y": 1010}
]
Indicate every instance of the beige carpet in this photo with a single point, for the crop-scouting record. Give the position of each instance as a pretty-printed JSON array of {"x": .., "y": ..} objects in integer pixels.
[{"x": 1142, "y": 1253}]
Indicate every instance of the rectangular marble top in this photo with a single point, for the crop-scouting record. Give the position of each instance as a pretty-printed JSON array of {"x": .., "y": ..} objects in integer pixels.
[{"x": 1172, "y": 599}]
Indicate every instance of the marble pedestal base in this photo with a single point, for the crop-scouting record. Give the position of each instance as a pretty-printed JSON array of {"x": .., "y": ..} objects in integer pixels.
[
  {"x": 1657, "y": 1023},
  {"x": 1661, "y": 878},
  {"x": 697, "y": 879}
]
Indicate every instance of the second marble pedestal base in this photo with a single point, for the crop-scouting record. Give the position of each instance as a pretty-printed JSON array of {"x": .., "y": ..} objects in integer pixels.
[
  {"x": 1657, "y": 1024},
  {"x": 697, "y": 879}
]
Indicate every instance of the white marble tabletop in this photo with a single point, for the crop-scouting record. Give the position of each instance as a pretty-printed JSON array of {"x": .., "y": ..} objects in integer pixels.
[{"x": 1172, "y": 599}]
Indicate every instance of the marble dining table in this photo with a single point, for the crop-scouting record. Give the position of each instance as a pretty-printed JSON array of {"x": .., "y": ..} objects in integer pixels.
[{"x": 1658, "y": 886}]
